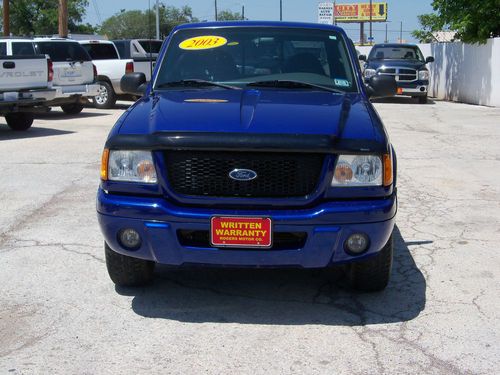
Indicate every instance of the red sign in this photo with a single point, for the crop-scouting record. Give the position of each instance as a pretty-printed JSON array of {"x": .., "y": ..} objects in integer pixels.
[{"x": 241, "y": 232}]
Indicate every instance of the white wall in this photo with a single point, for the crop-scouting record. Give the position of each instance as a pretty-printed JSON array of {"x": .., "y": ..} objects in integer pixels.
[{"x": 468, "y": 73}]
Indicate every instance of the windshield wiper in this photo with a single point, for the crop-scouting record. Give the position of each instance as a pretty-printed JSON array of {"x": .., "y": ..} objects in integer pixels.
[
  {"x": 291, "y": 84},
  {"x": 194, "y": 83}
]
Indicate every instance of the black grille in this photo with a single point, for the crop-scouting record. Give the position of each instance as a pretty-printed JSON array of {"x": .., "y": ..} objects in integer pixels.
[
  {"x": 279, "y": 175},
  {"x": 281, "y": 240}
]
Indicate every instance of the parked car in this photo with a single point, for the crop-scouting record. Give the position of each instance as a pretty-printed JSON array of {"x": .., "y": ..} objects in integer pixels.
[
  {"x": 25, "y": 85},
  {"x": 74, "y": 73},
  {"x": 406, "y": 63},
  {"x": 110, "y": 70},
  {"x": 143, "y": 51},
  {"x": 255, "y": 145}
]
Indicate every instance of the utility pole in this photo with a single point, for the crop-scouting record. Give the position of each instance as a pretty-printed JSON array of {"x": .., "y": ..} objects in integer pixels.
[
  {"x": 401, "y": 33},
  {"x": 6, "y": 18},
  {"x": 157, "y": 19},
  {"x": 243, "y": 13},
  {"x": 216, "y": 18},
  {"x": 371, "y": 34},
  {"x": 281, "y": 10},
  {"x": 63, "y": 18}
]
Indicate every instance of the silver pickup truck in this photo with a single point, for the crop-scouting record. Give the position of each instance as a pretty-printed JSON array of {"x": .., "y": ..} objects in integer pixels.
[{"x": 25, "y": 88}]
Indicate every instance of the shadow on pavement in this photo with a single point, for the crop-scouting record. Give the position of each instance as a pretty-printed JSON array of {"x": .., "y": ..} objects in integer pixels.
[
  {"x": 402, "y": 100},
  {"x": 33, "y": 132},
  {"x": 285, "y": 297},
  {"x": 59, "y": 115}
]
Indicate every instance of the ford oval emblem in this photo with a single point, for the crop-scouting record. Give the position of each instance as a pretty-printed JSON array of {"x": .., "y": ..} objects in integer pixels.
[{"x": 243, "y": 174}]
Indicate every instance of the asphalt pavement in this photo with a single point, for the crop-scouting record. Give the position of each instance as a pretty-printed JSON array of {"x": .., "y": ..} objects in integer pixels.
[{"x": 60, "y": 313}]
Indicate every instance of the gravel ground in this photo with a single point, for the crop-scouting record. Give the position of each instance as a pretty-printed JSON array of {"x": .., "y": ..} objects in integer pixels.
[{"x": 60, "y": 313}]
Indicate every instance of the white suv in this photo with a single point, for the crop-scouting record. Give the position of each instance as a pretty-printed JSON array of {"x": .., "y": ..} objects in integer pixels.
[{"x": 74, "y": 72}]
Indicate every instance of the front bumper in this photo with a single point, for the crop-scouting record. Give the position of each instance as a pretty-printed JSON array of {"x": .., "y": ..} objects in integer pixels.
[
  {"x": 327, "y": 226},
  {"x": 418, "y": 88}
]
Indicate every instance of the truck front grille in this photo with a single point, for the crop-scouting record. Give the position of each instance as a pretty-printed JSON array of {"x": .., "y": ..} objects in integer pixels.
[
  {"x": 279, "y": 175},
  {"x": 401, "y": 74},
  {"x": 281, "y": 240}
]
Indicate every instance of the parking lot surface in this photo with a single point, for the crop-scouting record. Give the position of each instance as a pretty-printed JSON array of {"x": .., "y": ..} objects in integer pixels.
[{"x": 60, "y": 313}]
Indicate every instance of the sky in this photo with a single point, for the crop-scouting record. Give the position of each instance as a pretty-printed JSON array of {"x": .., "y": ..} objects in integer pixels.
[{"x": 405, "y": 11}]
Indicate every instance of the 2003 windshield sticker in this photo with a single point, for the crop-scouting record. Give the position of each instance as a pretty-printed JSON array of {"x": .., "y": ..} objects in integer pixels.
[{"x": 203, "y": 42}]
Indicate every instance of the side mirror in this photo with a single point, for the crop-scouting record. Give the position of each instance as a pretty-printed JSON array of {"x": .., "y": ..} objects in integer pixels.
[
  {"x": 362, "y": 57},
  {"x": 381, "y": 86},
  {"x": 134, "y": 84},
  {"x": 429, "y": 59}
]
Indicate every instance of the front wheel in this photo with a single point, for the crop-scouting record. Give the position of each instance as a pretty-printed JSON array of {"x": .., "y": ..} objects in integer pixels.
[
  {"x": 19, "y": 121},
  {"x": 127, "y": 271},
  {"x": 372, "y": 274},
  {"x": 106, "y": 98},
  {"x": 72, "y": 109}
]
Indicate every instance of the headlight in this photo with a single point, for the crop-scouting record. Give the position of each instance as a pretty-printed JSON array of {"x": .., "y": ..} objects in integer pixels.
[
  {"x": 129, "y": 166},
  {"x": 423, "y": 75},
  {"x": 358, "y": 170},
  {"x": 369, "y": 73}
]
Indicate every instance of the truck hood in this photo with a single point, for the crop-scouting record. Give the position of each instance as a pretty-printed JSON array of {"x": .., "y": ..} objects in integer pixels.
[{"x": 255, "y": 111}]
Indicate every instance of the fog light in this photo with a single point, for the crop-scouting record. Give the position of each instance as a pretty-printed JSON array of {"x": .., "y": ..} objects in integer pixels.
[
  {"x": 357, "y": 243},
  {"x": 129, "y": 239}
]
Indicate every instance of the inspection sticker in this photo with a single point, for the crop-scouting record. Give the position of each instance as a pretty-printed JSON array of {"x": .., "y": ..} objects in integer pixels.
[
  {"x": 342, "y": 82},
  {"x": 241, "y": 232},
  {"x": 203, "y": 42}
]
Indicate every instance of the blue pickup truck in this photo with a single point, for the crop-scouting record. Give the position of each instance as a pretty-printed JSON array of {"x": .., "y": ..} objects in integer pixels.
[
  {"x": 254, "y": 145},
  {"x": 404, "y": 62}
]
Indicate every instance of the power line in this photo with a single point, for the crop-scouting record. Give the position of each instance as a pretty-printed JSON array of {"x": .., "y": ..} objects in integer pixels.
[{"x": 96, "y": 8}]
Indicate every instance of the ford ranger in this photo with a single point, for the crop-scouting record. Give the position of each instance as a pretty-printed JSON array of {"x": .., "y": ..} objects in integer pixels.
[
  {"x": 254, "y": 145},
  {"x": 405, "y": 62}
]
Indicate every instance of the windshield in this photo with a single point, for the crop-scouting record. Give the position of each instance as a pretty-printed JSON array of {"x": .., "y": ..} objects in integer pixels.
[
  {"x": 63, "y": 51},
  {"x": 101, "y": 51},
  {"x": 396, "y": 53},
  {"x": 239, "y": 56}
]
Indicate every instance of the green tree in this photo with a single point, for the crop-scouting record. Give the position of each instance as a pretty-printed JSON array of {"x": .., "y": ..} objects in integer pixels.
[
  {"x": 474, "y": 21},
  {"x": 227, "y": 15},
  {"x": 40, "y": 17},
  {"x": 141, "y": 24},
  {"x": 126, "y": 24},
  {"x": 171, "y": 16},
  {"x": 429, "y": 23}
]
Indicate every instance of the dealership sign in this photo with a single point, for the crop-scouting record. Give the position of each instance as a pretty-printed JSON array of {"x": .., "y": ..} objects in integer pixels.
[{"x": 360, "y": 12}]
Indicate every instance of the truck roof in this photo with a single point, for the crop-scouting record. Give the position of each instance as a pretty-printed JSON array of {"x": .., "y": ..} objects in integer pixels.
[
  {"x": 395, "y": 45},
  {"x": 16, "y": 38},
  {"x": 93, "y": 41},
  {"x": 304, "y": 25}
]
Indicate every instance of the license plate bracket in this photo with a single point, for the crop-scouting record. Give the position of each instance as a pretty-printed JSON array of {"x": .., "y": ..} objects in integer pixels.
[{"x": 242, "y": 232}]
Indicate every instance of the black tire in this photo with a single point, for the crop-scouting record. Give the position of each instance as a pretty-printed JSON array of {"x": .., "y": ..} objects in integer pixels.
[
  {"x": 72, "y": 109},
  {"x": 128, "y": 271},
  {"x": 422, "y": 99},
  {"x": 106, "y": 98},
  {"x": 19, "y": 121},
  {"x": 372, "y": 274}
]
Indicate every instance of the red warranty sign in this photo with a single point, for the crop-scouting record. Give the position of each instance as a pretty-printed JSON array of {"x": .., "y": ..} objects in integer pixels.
[{"x": 241, "y": 232}]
